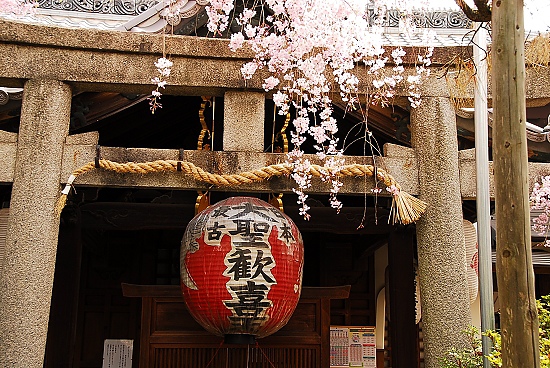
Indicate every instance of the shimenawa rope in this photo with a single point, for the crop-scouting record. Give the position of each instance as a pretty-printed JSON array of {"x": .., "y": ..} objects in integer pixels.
[{"x": 405, "y": 208}]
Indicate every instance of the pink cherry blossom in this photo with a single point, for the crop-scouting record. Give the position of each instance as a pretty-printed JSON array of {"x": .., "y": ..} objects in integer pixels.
[
  {"x": 164, "y": 67},
  {"x": 540, "y": 200},
  {"x": 270, "y": 83},
  {"x": 249, "y": 69},
  {"x": 17, "y": 7},
  {"x": 237, "y": 40}
]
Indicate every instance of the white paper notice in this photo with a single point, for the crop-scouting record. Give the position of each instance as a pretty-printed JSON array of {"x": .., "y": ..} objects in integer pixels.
[
  {"x": 352, "y": 346},
  {"x": 117, "y": 353}
]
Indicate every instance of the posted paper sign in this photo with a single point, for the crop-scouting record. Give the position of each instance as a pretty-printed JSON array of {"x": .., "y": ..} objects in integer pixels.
[
  {"x": 352, "y": 347},
  {"x": 117, "y": 353}
]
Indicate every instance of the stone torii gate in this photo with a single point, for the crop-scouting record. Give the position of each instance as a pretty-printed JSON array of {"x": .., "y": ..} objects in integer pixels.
[{"x": 53, "y": 63}]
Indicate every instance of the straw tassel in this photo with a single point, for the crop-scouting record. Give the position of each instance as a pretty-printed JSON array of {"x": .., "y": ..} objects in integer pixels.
[{"x": 406, "y": 209}]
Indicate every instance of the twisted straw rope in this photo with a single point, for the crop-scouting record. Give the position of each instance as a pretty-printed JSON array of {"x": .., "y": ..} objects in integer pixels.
[
  {"x": 264, "y": 173},
  {"x": 405, "y": 208}
]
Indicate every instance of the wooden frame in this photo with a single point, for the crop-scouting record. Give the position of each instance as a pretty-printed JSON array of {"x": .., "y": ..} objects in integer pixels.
[{"x": 170, "y": 337}]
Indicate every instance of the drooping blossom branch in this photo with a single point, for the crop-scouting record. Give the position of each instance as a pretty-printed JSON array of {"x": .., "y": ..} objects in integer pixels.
[
  {"x": 312, "y": 48},
  {"x": 163, "y": 64},
  {"x": 164, "y": 67}
]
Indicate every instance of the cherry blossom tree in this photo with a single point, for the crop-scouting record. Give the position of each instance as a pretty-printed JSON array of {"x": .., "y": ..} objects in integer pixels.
[
  {"x": 540, "y": 200},
  {"x": 310, "y": 49}
]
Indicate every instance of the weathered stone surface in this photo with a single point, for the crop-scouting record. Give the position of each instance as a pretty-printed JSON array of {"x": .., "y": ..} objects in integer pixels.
[
  {"x": 82, "y": 139},
  {"x": 8, "y": 147},
  {"x": 467, "y": 166},
  {"x": 119, "y": 42},
  {"x": 244, "y": 114},
  {"x": 97, "y": 70},
  {"x": 74, "y": 156},
  {"x": 467, "y": 154},
  {"x": 395, "y": 150},
  {"x": 7, "y": 137},
  {"x": 26, "y": 276},
  {"x": 440, "y": 233},
  {"x": 119, "y": 61},
  {"x": 95, "y": 60}
]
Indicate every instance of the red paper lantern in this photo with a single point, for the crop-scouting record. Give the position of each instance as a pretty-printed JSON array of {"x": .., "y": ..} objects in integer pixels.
[{"x": 241, "y": 268}]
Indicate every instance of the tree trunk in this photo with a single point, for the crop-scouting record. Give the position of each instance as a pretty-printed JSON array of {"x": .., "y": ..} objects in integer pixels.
[{"x": 515, "y": 277}]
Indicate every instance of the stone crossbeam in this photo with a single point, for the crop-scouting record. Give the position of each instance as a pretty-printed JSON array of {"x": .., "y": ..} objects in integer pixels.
[
  {"x": 80, "y": 149},
  {"x": 96, "y": 60}
]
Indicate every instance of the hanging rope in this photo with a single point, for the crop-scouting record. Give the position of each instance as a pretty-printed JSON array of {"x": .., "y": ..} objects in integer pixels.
[
  {"x": 265, "y": 355},
  {"x": 215, "y": 353},
  {"x": 405, "y": 208}
]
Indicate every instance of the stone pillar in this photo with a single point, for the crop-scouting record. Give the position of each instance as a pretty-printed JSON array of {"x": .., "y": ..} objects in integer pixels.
[
  {"x": 244, "y": 114},
  {"x": 26, "y": 277},
  {"x": 440, "y": 233}
]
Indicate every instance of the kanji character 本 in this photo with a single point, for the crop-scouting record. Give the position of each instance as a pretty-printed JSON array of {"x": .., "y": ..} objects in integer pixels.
[{"x": 286, "y": 232}]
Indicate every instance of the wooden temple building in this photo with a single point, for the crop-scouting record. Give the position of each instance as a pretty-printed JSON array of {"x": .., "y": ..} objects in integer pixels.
[{"x": 76, "y": 81}]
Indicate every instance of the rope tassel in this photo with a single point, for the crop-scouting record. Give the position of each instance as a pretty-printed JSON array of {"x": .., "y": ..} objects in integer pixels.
[{"x": 405, "y": 208}]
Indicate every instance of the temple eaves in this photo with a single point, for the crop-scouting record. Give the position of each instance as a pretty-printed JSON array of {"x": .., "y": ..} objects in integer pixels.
[{"x": 451, "y": 27}]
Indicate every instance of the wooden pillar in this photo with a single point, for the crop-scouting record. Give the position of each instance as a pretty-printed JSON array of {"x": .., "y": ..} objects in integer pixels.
[
  {"x": 515, "y": 276},
  {"x": 26, "y": 277},
  {"x": 403, "y": 332},
  {"x": 243, "y": 121},
  {"x": 440, "y": 232}
]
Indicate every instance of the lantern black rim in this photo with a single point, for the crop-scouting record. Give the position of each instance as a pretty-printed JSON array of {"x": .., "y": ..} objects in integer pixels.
[{"x": 240, "y": 339}]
